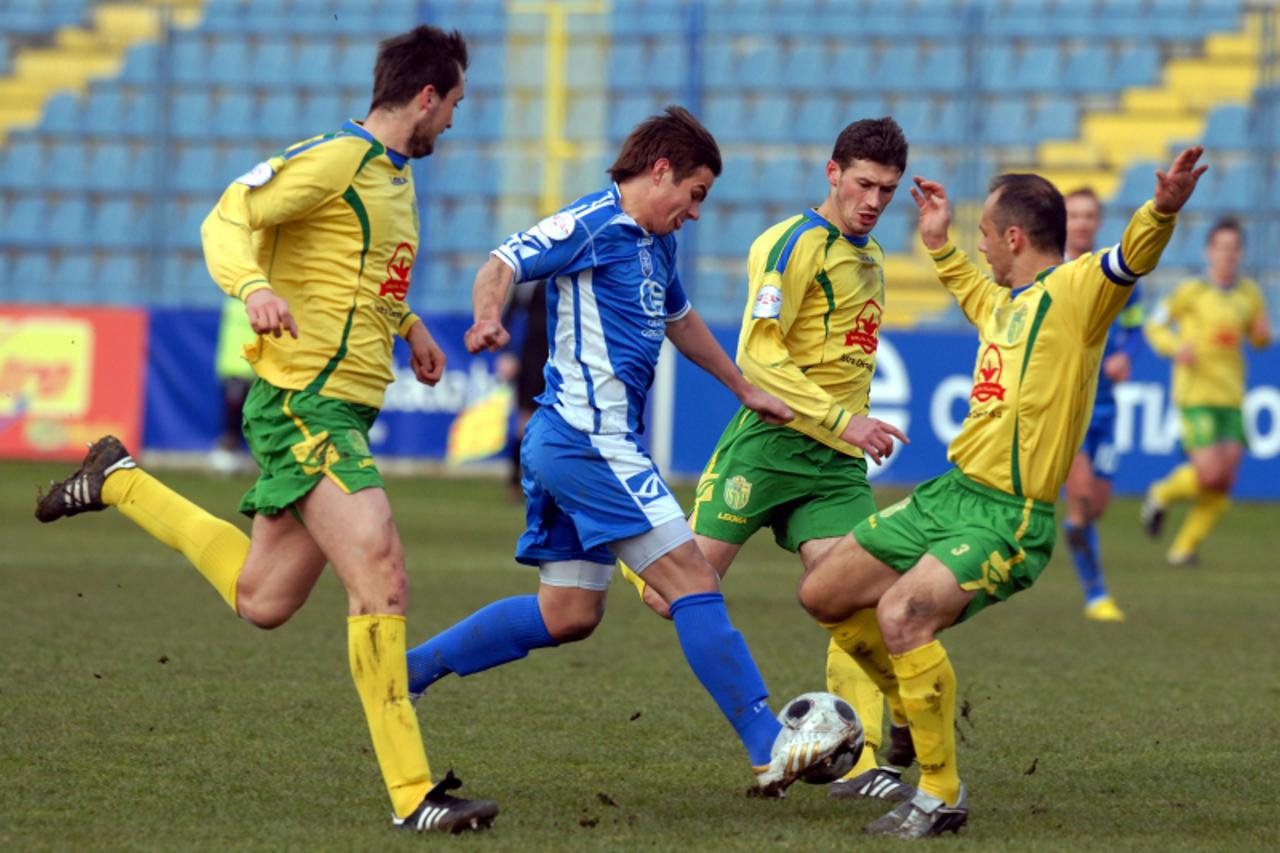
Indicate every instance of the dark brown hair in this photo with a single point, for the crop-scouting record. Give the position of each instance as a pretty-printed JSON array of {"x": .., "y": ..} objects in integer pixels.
[
  {"x": 1226, "y": 223},
  {"x": 879, "y": 140},
  {"x": 675, "y": 135},
  {"x": 424, "y": 56},
  {"x": 1033, "y": 204},
  {"x": 1084, "y": 192}
]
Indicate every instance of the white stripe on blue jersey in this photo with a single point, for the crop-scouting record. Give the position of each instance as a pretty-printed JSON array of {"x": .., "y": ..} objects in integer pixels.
[{"x": 614, "y": 287}]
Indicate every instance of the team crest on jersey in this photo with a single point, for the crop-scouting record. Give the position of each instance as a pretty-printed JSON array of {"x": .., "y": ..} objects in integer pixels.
[
  {"x": 646, "y": 486},
  {"x": 737, "y": 492},
  {"x": 768, "y": 304},
  {"x": 1017, "y": 323},
  {"x": 990, "y": 371},
  {"x": 398, "y": 270},
  {"x": 866, "y": 328},
  {"x": 257, "y": 176},
  {"x": 653, "y": 298},
  {"x": 646, "y": 262}
]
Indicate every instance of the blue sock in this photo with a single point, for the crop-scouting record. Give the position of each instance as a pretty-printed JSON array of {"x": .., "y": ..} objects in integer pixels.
[
  {"x": 1083, "y": 542},
  {"x": 499, "y": 633},
  {"x": 719, "y": 657}
]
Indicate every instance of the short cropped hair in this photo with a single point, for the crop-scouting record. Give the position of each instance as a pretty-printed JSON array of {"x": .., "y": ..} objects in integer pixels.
[
  {"x": 879, "y": 140},
  {"x": 1226, "y": 223},
  {"x": 1085, "y": 192},
  {"x": 424, "y": 56},
  {"x": 1033, "y": 204},
  {"x": 675, "y": 135}
]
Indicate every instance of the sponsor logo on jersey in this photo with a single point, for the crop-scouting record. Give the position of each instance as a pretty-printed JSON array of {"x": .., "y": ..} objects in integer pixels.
[
  {"x": 557, "y": 226},
  {"x": 653, "y": 298},
  {"x": 866, "y": 328},
  {"x": 398, "y": 270},
  {"x": 399, "y": 181},
  {"x": 737, "y": 492},
  {"x": 257, "y": 176},
  {"x": 646, "y": 262},
  {"x": 768, "y": 304},
  {"x": 647, "y": 486},
  {"x": 990, "y": 370}
]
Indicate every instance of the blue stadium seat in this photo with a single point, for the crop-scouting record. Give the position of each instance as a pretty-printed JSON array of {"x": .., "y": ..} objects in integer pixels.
[
  {"x": 471, "y": 227},
  {"x": 524, "y": 117},
  {"x": 1228, "y": 129},
  {"x": 860, "y": 106},
  {"x": 141, "y": 64},
  {"x": 104, "y": 112},
  {"x": 719, "y": 64},
  {"x": 68, "y": 220},
  {"x": 120, "y": 280},
  {"x": 487, "y": 65},
  {"x": 1055, "y": 118},
  {"x": 995, "y": 62},
  {"x": 74, "y": 277},
  {"x": 1006, "y": 121},
  {"x": 230, "y": 63},
  {"x": 325, "y": 113},
  {"x": 895, "y": 69},
  {"x": 1137, "y": 65},
  {"x": 526, "y": 66},
  {"x": 67, "y": 166},
  {"x": 769, "y": 118},
  {"x": 669, "y": 66},
  {"x": 34, "y": 271},
  {"x": 355, "y": 64},
  {"x": 628, "y": 65},
  {"x": 142, "y": 113},
  {"x": 189, "y": 61},
  {"x": 784, "y": 179},
  {"x": 760, "y": 67},
  {"x": 234, "y": 118},
  {"x": 195, "y": 169},
  {"x": 63, "y": 113},
  {"x": 586, "y": 118},
  {"x": 182, "y": 221},
  {"x": 22, "y": 164},
  {"x": 1135, "y": 187},
  {"x": 113, "y": 224},
  {"x": 1039, "y": 68},
  {"x": 631, "y": 109},
  {"x": 114, "y": 167},
  {"x": 805, "y": 66},
  {"x": 724, "y": 115},
  {"x": 665, "y": 18},
  {"x": 191, "y": 115},
  {"x": 817, "y": 117},
  {"x": 27, "y": 222},
  {"x": 1088, "y": 70},
  {"x": 282, "y": 113},
  {"x": 944, "y": 69},
  {"x": 895, "y": 231},
  {"x": 272, "y": 63},
  {"x": 312, "y": 64},
  {"x": 480, "y": 117}
]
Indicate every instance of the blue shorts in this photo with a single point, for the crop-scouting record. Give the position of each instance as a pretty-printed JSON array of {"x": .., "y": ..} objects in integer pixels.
[
  {"x": 583, "y": 491},
  {"x": 1100, "y": 443}
]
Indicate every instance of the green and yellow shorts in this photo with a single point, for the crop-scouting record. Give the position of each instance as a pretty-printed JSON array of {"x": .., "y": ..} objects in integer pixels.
[
  {"x": 994, "y": 543},
  {"x": 761, "y": 474},
  {"x": 1205, "y": 426},
  {"x": 297, "y": 437}
]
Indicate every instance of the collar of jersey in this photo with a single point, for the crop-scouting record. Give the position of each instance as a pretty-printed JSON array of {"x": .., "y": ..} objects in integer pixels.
[
  {"x": 622, "y": 215},
  {"x": 1014, "y": 293},
  {"x": 356, "y": 129},
  {"x": 860, "y": 242}
]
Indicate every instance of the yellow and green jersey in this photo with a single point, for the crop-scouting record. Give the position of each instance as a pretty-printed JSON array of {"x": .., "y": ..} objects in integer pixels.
[
  {"x": 1215, "y": 321},
  {"x": 812, "y": 323},
  {"x": 331, "y": 225},
  {"x": 1040, "y": 346}
]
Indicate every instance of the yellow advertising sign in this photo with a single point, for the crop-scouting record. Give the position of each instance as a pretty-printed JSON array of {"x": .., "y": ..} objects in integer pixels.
[{"x": 46, "y": 366}]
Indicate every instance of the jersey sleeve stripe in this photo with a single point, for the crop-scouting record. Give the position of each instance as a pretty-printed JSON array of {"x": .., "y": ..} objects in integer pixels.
[
  {"x": 1124, "y": 268},
  {"x": 680, "y": 315},
  {"x": 1112, "y": 268},
  {"x": 791, "y": 244},
  {"x": 781, "y": 243}
]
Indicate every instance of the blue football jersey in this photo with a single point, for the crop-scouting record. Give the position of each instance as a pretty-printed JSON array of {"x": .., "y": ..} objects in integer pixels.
[
  {"x": 1124, "y": 336},
  {"x": 611, "y": 289}
]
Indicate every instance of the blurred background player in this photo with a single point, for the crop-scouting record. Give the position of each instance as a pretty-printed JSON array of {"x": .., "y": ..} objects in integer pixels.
[
  {"x": 523, "y": 368},
  {"x": 1089, "y": 482},
  {"x": 592, "y": 492},
  {"x": 330, "y": 217},
  {"x": 1202, "y": 326},
  {"x": 809, "y": 335},
  {"x": 985, "y": 530},
  {"x": 235, "y": 376}
]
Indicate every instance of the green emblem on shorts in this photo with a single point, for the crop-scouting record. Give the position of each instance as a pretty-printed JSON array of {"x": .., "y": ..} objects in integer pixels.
[
  {"x": 358, "y": 444},
  {"x": 737, "y": 491}
]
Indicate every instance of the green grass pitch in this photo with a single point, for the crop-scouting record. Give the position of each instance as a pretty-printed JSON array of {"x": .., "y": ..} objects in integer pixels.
[{"x": 137, "y": 713}]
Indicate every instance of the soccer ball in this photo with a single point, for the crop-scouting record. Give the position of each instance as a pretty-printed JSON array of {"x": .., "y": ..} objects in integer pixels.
[{"x": 828, "y": 714}]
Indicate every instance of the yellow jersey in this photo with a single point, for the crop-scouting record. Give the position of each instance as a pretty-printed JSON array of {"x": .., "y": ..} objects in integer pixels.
[
  {"x": 331, "y": 225},
  {"x": 1039, "y": 349},
  {"x": 811, "y": 326},
  {"x": 1215, "y": 321}
]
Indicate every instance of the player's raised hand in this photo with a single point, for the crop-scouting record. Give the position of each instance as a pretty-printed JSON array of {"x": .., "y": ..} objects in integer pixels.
[
  {"x": 770, "y": 409},
  {"x": 486, "y": 335},
  {"x": 935, "y": 211},
  {"x": 425, "y": 356},
  {"x": 1175, "y": 186},
  {"x": 269, "y": 314},
  {"x": 874, "y": 436}
]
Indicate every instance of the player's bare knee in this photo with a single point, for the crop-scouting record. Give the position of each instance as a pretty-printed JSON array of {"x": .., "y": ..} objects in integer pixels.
[
  {"x": 569, "y": 623},
  {"x": 906, "y": 620},
  {"x": 815, "y": 598}
]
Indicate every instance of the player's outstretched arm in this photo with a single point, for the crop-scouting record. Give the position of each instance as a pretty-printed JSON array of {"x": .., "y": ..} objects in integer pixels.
[
  {"x": 691, "y": 336},
  {"x": 1175, "y": 186},
  {"x": 488, "y": 295}
]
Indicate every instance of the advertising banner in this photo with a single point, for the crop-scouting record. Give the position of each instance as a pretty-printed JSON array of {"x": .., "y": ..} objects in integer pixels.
[{"x": 68, "y": 376}]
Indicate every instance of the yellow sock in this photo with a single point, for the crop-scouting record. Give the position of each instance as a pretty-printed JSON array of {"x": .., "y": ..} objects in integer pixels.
[
  {"x": 860, "y": 637},
  {"x": 216, "y": 547},
  {"x": 375, "y": 645},
  {"x": 846, "y": 679},
  {"x": 1199, "y": 522},
  {"x": 1181, "y": 484},
  {"x": 632, "y": 578},
  {"x": 928, "y": 687}
]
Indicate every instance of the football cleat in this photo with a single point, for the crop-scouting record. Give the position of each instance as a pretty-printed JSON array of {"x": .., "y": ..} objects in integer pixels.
[
  {"x": 902, "y": 750},
  {"x": 1151, "y": 516},
  {"x": 1103, "y": 609},
  {"x": 440, "y": 812},
  {"x": 797, "y": 753},
  {"x": 878, "y": 783},
  {"x": 1185, "y": 559},
  {"x": 82, "y": 491},
  {"x": 922, "y": 816}
]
